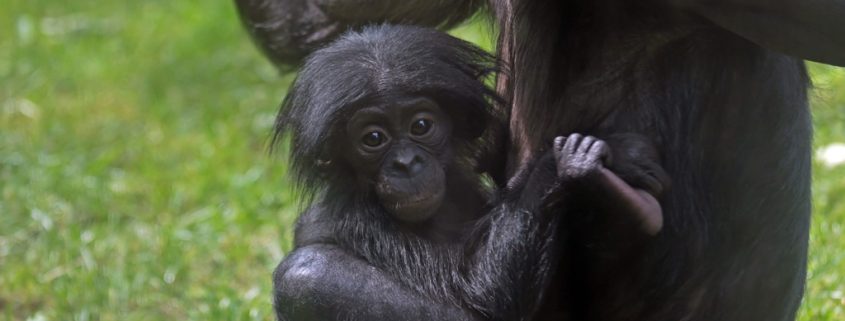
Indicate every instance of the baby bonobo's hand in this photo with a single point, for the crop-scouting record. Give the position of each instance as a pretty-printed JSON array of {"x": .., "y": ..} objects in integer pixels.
[
  {"x": 579, "y": 157},
  {"x": 582, "y": 159}
]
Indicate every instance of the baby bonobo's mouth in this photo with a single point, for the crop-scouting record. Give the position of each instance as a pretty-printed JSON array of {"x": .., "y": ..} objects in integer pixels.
[
  {"x": 416, "y": 208},
  {"x": 418, "y": 200}
]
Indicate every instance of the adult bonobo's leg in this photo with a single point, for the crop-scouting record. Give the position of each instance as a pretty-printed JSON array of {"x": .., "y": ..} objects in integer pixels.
[
  {"x": 287, "y": 30},
  {"x": 809, "y": 29}
]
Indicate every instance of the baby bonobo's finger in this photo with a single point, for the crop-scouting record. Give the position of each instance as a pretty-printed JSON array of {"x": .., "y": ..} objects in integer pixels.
[
  {"x": 558, "y": 145},
  {"x": 601, "y": 151},
  {"x": 571, "y": 144},
  {"x": 585, "y": 145}
]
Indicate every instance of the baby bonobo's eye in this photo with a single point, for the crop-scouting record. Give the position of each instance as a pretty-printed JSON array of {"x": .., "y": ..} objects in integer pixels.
[
  {"x": 373, "y": 139},
  {"x": 421, "y": 126}
]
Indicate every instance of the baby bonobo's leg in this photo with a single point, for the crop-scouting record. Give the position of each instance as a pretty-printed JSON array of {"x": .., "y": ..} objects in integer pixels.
[{"x": 581, "y": 160}]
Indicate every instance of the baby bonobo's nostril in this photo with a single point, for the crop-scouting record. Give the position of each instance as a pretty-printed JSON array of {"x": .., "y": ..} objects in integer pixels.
[
  {"x": 408, "y": 163},
  {"x": 402, "y": 164}
]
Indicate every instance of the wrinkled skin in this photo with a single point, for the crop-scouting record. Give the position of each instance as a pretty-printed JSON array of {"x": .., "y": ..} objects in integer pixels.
[{"x": 400, "y": 145}]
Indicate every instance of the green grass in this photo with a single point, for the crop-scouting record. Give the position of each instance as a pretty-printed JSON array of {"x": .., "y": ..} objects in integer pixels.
[{"x": 135, "y": 182}]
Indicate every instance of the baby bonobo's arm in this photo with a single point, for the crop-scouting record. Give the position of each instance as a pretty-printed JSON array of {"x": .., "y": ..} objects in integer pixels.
[{"x": 584, "y": 158}]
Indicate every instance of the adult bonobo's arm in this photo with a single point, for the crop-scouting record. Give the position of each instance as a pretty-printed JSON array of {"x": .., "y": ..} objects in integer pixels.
[
  {"x": 288, "y": 30},
  {"x": 810, "y": 29},
  {"x": 323, "y": 282}
]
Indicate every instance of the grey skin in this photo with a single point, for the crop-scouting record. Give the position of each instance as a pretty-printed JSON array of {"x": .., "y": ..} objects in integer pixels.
[{"x": 405, "y": 133}]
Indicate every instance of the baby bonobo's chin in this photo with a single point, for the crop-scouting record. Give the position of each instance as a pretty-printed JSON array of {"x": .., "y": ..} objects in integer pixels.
[
  {"x": 415, "y": 208},
  {"x": 412, "y": 201},
  {"x": 412, "y": 198}
]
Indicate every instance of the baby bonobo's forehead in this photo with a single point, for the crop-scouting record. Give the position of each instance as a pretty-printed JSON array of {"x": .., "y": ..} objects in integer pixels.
[{"x": 397, "y": 107}]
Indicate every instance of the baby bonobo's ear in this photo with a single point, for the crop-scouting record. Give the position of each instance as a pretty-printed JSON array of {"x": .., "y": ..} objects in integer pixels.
[{"x": 323, "y": 163}]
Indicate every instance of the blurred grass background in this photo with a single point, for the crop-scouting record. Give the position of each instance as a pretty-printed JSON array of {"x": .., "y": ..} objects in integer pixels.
[{"x": 135, "y": 182}]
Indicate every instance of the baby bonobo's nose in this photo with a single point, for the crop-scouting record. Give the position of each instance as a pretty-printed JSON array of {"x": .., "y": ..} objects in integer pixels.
[{"x": 408, "y": 163}]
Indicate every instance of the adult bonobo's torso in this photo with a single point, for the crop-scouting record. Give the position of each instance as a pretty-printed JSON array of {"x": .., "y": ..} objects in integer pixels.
[{"x": 733, "y": 127}]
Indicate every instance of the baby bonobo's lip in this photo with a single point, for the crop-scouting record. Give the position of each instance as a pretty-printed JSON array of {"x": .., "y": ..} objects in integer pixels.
[
  {"x": 425, "y": 201},
  {"x": 418, "y": 200}
]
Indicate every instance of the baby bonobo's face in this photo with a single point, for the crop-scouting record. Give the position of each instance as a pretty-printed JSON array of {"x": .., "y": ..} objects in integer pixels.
[{"x": 400, "y": 147}]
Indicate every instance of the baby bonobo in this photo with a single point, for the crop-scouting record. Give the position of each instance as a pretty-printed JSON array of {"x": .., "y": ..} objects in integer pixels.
[{"x": 387, "y": 127}]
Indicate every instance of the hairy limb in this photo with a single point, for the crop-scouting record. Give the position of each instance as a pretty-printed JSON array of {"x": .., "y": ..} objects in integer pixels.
[
  {"x": 288, "y": 30},
  {"x": 582, "y": 158},
  {"x": 324, "y": 282},
  {"x": 637, "y": 203},
  {"x": 436, "y": 13},
  {"x": 810, "y": 29},
  {"x": 502, "y": 274},
  {"x": 517, "y": 255}
]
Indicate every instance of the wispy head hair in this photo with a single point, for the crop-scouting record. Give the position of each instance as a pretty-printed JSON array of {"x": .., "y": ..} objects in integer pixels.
[{"x": 363, "y": 65}]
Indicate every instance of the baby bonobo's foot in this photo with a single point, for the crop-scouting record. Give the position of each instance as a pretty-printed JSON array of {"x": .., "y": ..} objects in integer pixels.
[{"x": 579, "y": 157}]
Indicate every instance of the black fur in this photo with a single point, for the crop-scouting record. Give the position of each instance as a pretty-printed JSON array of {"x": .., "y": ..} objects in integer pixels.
[
  {"x": 359, "y": 67},
  {"x": 732, "y": 127},
  {"x": 498, "y": 260},
  {"x": 288, "y": 30},
  {"x": 729, "y": 119}
]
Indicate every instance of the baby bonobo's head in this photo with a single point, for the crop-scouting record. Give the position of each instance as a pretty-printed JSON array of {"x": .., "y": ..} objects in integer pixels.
[{"x": 390, "y": 112}]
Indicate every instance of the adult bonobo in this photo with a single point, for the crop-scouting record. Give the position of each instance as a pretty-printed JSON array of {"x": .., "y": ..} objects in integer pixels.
[
  {"x": 386, "y": 126},
  {"x": 705, "y": 80}
]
